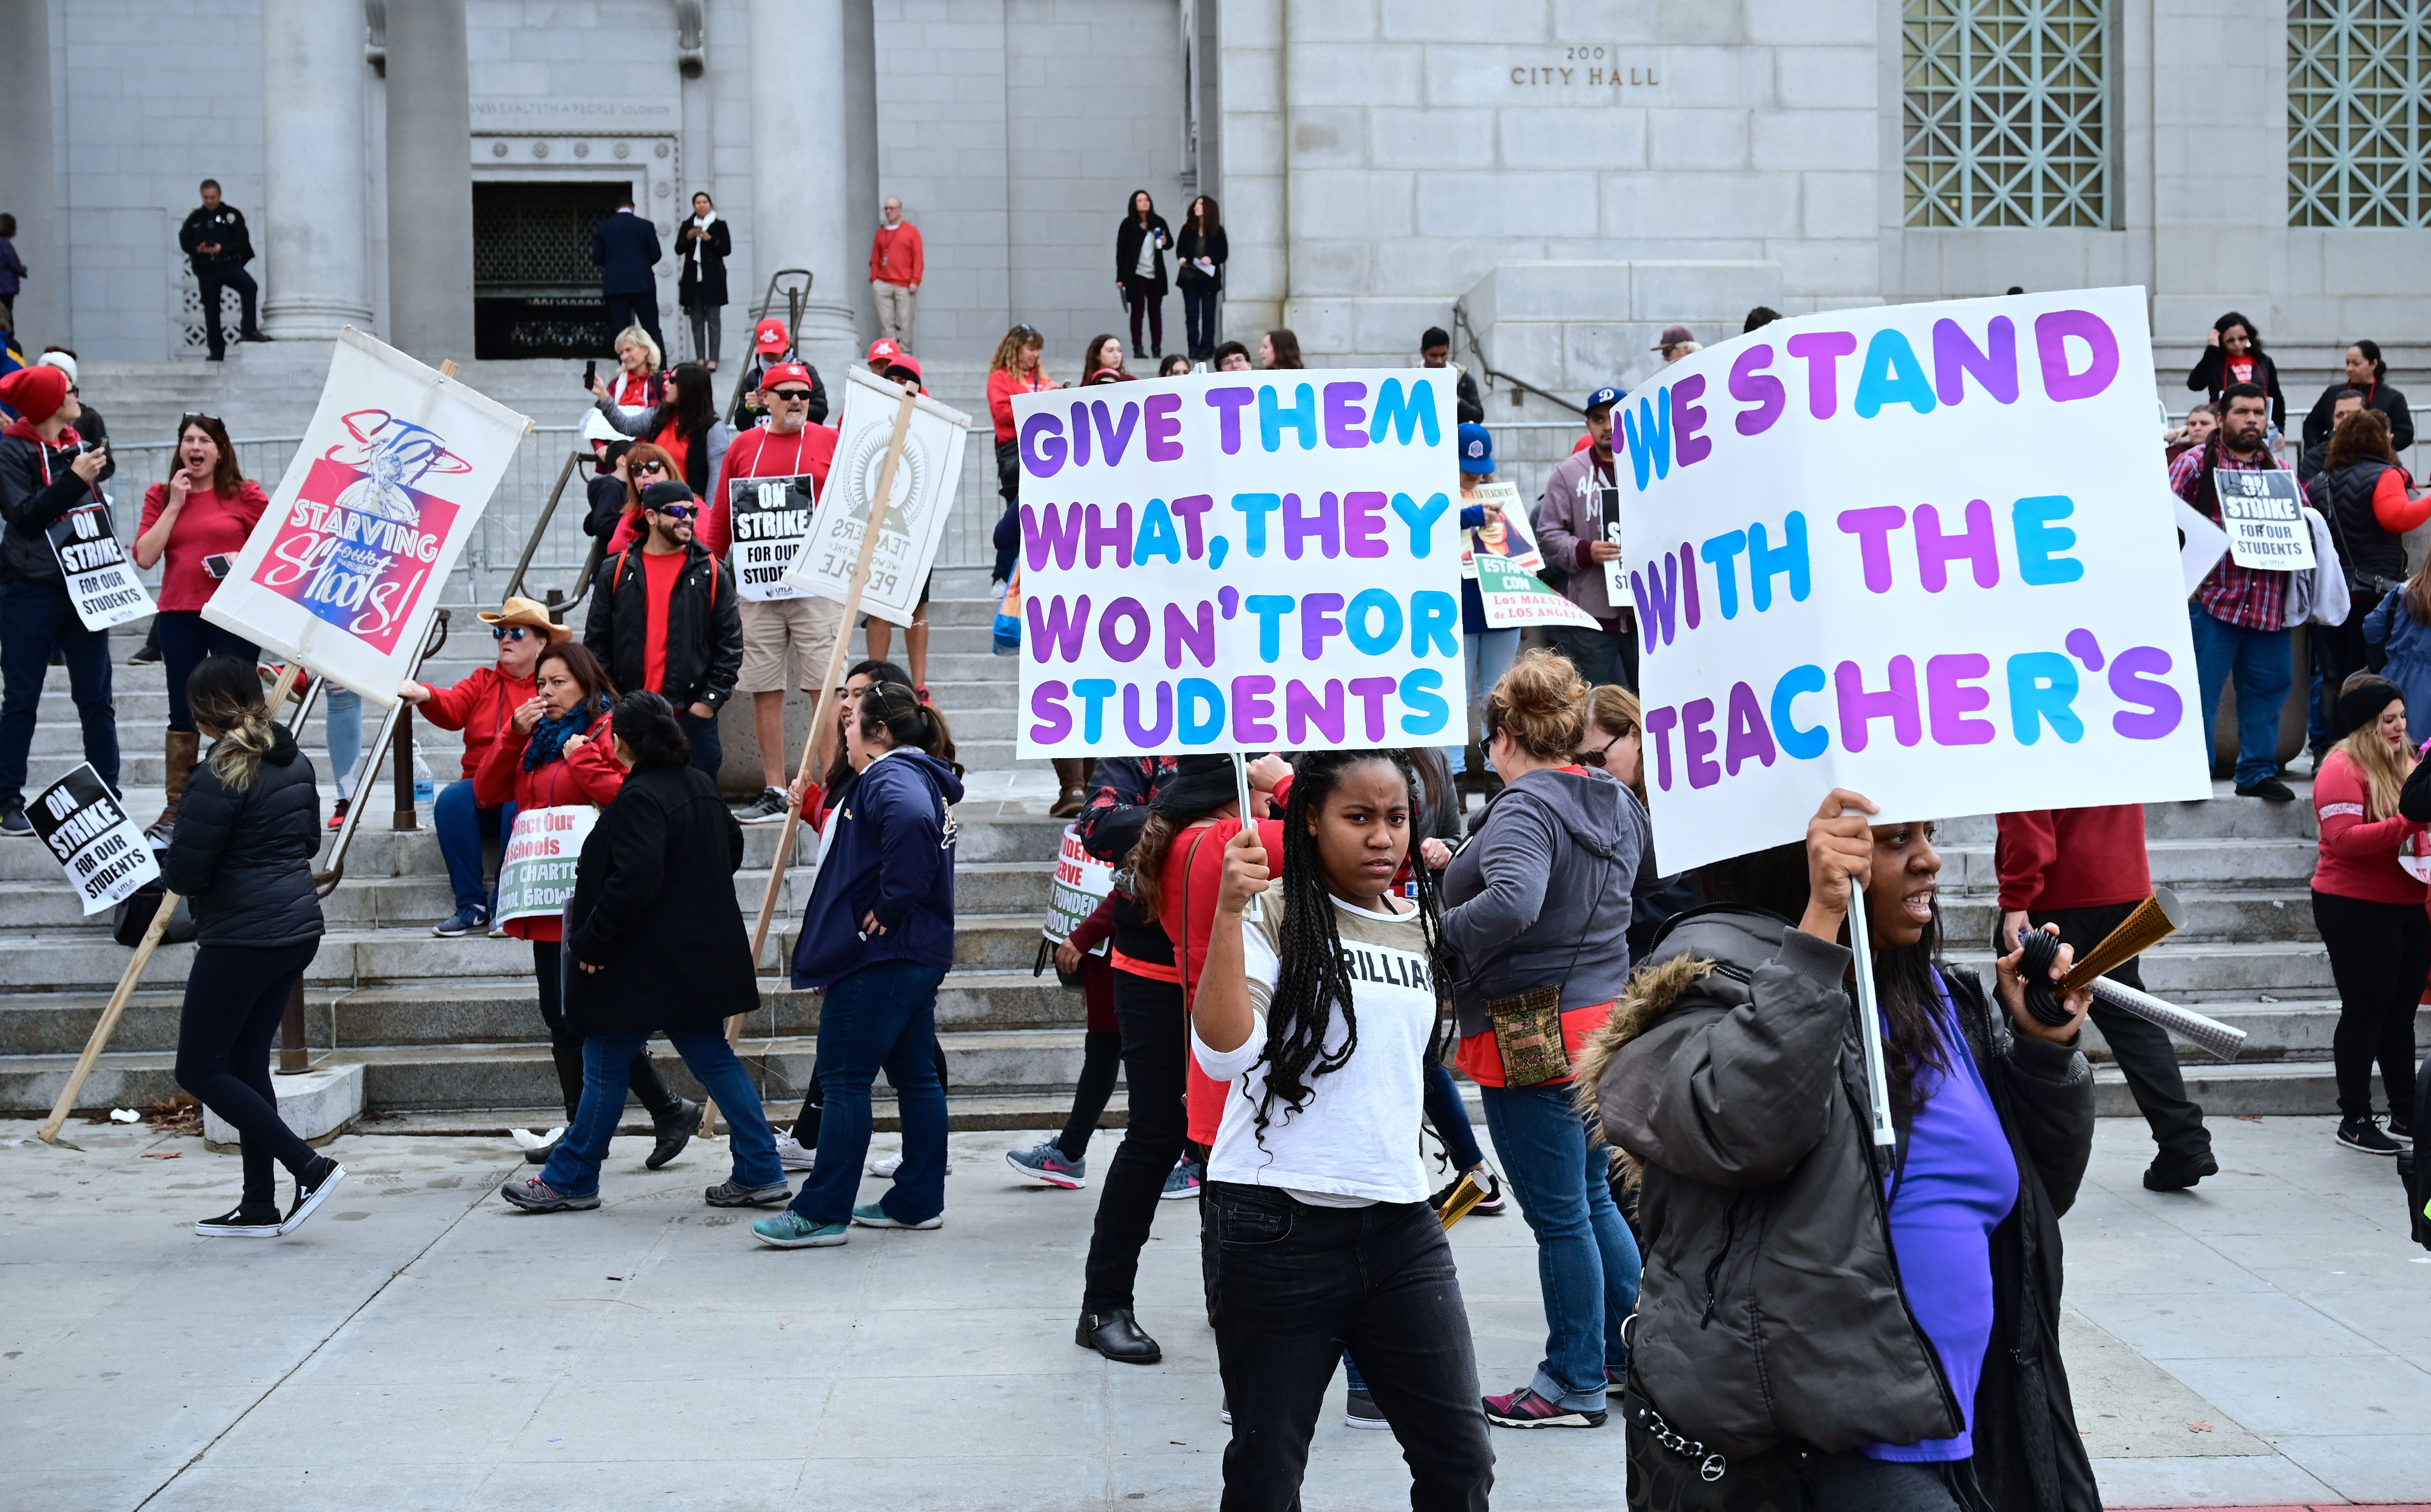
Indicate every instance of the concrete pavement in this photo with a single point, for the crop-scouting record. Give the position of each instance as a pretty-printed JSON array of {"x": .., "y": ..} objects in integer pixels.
[{"x": 2265, "y": 1340}]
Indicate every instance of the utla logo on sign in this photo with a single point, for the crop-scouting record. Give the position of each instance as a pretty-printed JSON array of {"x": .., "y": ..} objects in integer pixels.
[{"x": 2264, "y": 515}]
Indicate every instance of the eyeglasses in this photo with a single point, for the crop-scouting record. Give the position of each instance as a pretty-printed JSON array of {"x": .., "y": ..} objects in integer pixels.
[
  {"x": 674, "y": 512},
  {"x": 1596, "y": 757},
  {"x": 791, "y": 395}
]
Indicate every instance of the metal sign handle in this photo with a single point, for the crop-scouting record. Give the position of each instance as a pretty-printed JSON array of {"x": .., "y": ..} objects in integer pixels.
[{"x": 1878, "y": 1081}]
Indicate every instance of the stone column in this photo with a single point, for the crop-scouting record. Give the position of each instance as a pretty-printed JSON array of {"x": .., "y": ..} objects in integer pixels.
[
  {"x": 801, "y": 216},
  {"x": 429, "y": 182},
  {"x": 29, "y": 185},
  {"x": 312, "y": 223}
]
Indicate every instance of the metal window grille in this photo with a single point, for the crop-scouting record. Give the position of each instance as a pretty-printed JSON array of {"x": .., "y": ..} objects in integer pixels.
[
  {"x": 2006, "y": 112},
  {"x": 2359, "y": 113}
]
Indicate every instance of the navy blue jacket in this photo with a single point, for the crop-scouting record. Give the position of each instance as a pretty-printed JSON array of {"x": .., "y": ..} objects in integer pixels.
[
  {"x": 892, "y": 855},
  {"x": 625, "y": 247}
]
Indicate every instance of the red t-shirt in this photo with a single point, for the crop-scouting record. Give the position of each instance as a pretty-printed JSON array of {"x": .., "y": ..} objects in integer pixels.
[
  {"x": 660, "y": 570},
  {"x": 2242, "y": 369},
  {"x": 758, "y": 453},
  {"x": 208, "y": 526}
]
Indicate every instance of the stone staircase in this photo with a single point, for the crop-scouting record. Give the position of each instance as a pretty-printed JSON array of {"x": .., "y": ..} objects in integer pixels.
[{"x": 451, "y": 1027}]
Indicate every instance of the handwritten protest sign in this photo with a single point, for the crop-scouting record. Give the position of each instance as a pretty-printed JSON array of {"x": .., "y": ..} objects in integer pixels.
[
  {"x": 772, "y": 519},
  {"x": 1234, "y": 561},
  {"x": 347, "y": 564},
  {"x": 916, "y": 508},
  {"x": 1081, "y": 882},
  {"x": 1923, "y": 551},
  {"x": 2264, "y": 515},
  {"x": 88, "y": 833},
  {"x": 100, "y": 575},
  {"x": 536, "y": 869}
]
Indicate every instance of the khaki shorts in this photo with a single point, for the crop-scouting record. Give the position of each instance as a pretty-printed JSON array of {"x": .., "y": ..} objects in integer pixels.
[{"x": 807, "y": 627}]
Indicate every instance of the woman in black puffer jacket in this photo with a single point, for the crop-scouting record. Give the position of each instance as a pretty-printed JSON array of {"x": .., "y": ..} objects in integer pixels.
[{"x": 243, "y": 855}]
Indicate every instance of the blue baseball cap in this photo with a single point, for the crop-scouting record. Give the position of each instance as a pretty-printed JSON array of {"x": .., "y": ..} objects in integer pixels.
[
  {"x": 1476, "y": 447},
  {"x": 1602, "y": 398}
]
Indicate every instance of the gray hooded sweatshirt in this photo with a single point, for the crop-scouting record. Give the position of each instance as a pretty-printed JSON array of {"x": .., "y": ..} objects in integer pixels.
[{"x": 1540, "y": 896}]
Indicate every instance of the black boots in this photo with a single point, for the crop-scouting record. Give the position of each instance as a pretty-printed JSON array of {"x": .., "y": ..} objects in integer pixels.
[
  {"x": 675, "y": 1129},
  {"x": 1116, "y": 1335}
]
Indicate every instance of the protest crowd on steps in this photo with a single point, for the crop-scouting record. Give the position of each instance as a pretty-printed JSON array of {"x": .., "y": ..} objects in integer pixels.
[{"x": 1309, "y": 963}]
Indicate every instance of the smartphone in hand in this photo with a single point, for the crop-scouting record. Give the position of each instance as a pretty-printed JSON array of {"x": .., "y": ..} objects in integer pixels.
[
  {"x": 218, "y": 566},
  {"x": 589, "y": 374}
]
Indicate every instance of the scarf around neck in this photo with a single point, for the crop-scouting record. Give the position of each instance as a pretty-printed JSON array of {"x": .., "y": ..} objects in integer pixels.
[{"x": 547, "y": 741}]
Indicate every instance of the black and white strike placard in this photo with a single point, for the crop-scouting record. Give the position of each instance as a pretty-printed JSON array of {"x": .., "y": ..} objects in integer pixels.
[
  {"x": 100, "y": 575},
  {"x": 772, "y": 519},
  {"x": 102, "y": 851}
]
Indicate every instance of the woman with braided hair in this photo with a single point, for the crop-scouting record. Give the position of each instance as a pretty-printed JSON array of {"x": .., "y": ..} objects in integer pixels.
[{"x": 1323, "y": 1014}]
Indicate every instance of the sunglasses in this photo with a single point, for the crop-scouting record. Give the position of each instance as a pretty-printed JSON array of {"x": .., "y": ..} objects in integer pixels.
[
  {"x": 650, "y": 467},
  {"x": 183, "y": 421},
  {"x": 510, "y": 632},
  {"x": 1595, "y": 758},
  {"x": 676, "y": 512},
  {"x": 791, "y": 395}
]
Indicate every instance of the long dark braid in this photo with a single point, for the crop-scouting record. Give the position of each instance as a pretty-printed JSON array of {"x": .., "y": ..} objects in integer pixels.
[{"x": 1313, "y": 979}]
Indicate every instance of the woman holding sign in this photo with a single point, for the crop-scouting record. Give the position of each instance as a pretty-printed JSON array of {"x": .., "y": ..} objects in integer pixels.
[
  {"x": 1881, "y": 1322},
  {"x": 1323, "y": 1014},
  {"x": 1489, "y": 651},
  {"x": 554, "y": 753},
  {"x": 193, "y": 526}
]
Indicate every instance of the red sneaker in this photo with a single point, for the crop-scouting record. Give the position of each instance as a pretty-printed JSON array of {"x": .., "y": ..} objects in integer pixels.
[{"x": 1524, "y": 1408}]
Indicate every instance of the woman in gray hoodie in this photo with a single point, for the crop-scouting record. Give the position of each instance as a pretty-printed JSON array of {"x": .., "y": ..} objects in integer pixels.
[{"x": 1536, "y": 911}]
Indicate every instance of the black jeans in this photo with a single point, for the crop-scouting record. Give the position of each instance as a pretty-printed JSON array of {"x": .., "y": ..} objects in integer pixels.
[
  {"x": 1146, "y": 301},
  {"x": 1849, "y": 1481},
  {"x": 210, "y": 278},
  {"x": 1007, "y": 483},
  {"x": 1606, "y": 658},
  {"x": 708, "y": 750},
  {"x": 1101, "y": 1057},
  {"x": 565, "y": 1046},
  {"x": 635, "y": 309},
  {"x": 1199, "y": 318},
  {"x": 36, "y": 619},
  {"x": 2379, "y": 955},
  {"x": 184, "y": 639},
  {"x": 235, "y": 997},
  {"x": 1156, "y": 1035},
  {"x": 1292, "y": 1286},
  {"x": 2142, "y": 1050}
]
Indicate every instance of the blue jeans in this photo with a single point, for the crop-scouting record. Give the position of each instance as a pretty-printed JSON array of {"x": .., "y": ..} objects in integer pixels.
[
  {"x": 881, "y": 1018},
  {"x": 1586, "y": 1262},
  {"x": 462, "y": 826},
  {"x": 708, "y": 754},
  {"x": 2264, "y": 665},
  {"x": 607, "y": 1067},
  {"x": 35, "y": 619},
  {"x": 1199, "y": 319},
  {"x": 184, "y": 639},
  {"x": 342, "y": 717},
  {"x": 1450, "y": 1116}
]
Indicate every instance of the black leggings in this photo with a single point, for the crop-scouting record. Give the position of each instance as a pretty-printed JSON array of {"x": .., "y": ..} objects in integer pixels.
[
  {"x": 1101, "y": 1060},
  {"x": 235, "y": 997},
  {"x": 1156, "y": 1035},
  {"x": 805, "y": 1123},
  {"x": 2379, "y": 955},
  {"x": 565, "y": 1046}
]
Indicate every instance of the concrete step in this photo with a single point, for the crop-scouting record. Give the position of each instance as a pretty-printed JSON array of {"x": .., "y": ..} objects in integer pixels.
[
  {"x": 2283, "y": 863},
  {"x": 2220, "y": 971},
  {"x": 2213, "y": 915},
  {"x": 2291, "y": 1089}
]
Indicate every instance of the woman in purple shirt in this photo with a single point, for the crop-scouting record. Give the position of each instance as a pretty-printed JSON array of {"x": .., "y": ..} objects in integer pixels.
[{"x": 1840, "y": 1325}]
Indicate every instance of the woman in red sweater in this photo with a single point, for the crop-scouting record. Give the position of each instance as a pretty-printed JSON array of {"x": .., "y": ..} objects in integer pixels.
[
  {"x": 1014, "y": 369},
  {"x": 555, "y": 752},
  {"x": 192, "y": 524},
  {"x": 481, "y": 706},
  {"x": 2368, "y": 896}
]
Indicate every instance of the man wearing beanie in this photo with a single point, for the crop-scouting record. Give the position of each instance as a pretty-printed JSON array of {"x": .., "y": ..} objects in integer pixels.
[
  {"x": 44, "y": 474},
  {"x": 664, "y": 618}
]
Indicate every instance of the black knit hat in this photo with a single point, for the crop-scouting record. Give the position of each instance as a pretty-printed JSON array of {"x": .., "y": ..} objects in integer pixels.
[
  {"x": 659, "y": 495},
  {"x": 2361, "y": 703},
  {"x": 1201, "y": 784}
]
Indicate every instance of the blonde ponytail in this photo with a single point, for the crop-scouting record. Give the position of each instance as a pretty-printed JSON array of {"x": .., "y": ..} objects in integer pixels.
[{"x": 224, "y": 693}]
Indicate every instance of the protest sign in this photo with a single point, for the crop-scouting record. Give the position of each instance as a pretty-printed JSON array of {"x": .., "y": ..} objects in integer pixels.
[
  {"x": 2201, "y": 543},
  {"x": 772, "y": 519},
  {"x": 89, "y": 834},
  {"x": 1924, "y": 552},
  {"x": 1615, "y": 572},
  {"x": 536, "y": 869},
  {"x": 1081, "y": 882},
  {"x": 1516, "y": 598},
  {"x": 2264, "y": 515},
  {"x": 347, "y": 564},
  {"x": 917, "y": 505},
  {"x": 1237, "y": 562},
  {"x": 1505, "y": 532},
  {"x": 99, "y": 575}
]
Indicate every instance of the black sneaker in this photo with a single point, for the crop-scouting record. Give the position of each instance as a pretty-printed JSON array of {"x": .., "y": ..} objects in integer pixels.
[
  {"x": 2400, "y": 1130},
  {"x": 2363, "y": 1135},
  {"x": 734, "y": 1194},
  {"x": 2270, "y": 788},
  {"x": 241, "y": 1222},
  {"x": 1359, "y": 1411},
  {"x": 311, "y": 1189},
  {"x": 2176, "y": 1175},
  {"x": 15, "y": 823},
  {"x": 536, "y": 1195},
  {"x": 252, "y": 336},
  {"x": 766, "y": 809},
  {"x": 145, "y": 654},
  {"x": 1490, "y": 1205}
]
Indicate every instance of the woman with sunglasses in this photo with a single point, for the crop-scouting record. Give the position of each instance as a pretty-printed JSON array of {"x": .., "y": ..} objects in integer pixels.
[
  {"x": 557, "y": 751},
  {"x": 192, "y": 526},
  {"x": 1536, "y": 913},
  {"x": 616, "y": 496}
]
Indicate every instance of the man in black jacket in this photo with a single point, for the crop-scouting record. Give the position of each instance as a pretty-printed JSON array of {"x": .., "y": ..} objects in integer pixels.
[
  {"x": 625, "y": 247},
  {"x": 44, "y": 474},
  {"x": 216, "y": 241},
  {"x": 664, "y": 619}
]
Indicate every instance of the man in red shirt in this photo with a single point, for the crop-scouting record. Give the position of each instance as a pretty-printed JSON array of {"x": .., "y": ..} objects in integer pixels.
[
  {"x": 788, "y": 447},
  {"x": 2085, "y": 870},
  {"x": 896, "y": 264},
  {"x": 663, "y": 618},
  {"x": 481, "y": 706}
]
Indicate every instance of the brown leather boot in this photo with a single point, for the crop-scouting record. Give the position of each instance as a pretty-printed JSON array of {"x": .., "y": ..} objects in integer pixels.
[
  {"x": 1072, "y": 776},
  {"x": 178, "y": 754}
]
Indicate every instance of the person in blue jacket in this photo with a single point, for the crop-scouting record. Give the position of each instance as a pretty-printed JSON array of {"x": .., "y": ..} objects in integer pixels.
[
  {"x": 877, "y": 939},
  {"x": 2399, "y": 629}
]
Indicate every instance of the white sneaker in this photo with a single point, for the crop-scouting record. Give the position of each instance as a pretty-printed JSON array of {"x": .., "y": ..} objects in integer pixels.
[
  {"x": 889, "y": 1165},
  {"x": 791, "y": 1153}
]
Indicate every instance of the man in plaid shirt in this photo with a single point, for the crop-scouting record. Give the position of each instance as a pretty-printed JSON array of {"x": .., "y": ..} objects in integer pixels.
[{"x": 2238, "y": 614}]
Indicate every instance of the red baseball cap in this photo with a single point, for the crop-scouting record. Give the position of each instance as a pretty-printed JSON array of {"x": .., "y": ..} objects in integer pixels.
[
  {"x": 769, "y": 337},
  {"x": 784, "y": 372},
  {"x": 906, "y": 361},
  {"x": 882, "y": 352}
]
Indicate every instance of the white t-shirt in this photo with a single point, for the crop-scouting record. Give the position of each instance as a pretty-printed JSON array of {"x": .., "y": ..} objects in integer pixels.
[
  {"x": 1147, "y": 268},
  {"x": 1358, "y": 1139}
]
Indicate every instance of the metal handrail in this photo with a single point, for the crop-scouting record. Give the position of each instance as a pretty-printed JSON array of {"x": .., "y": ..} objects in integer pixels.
[
  {"x": 540, "y": 528},
  {"x": 795, "y": 299},
  {"x": 1468, "y": 333},
  {"x": 324, "y": 882}
]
